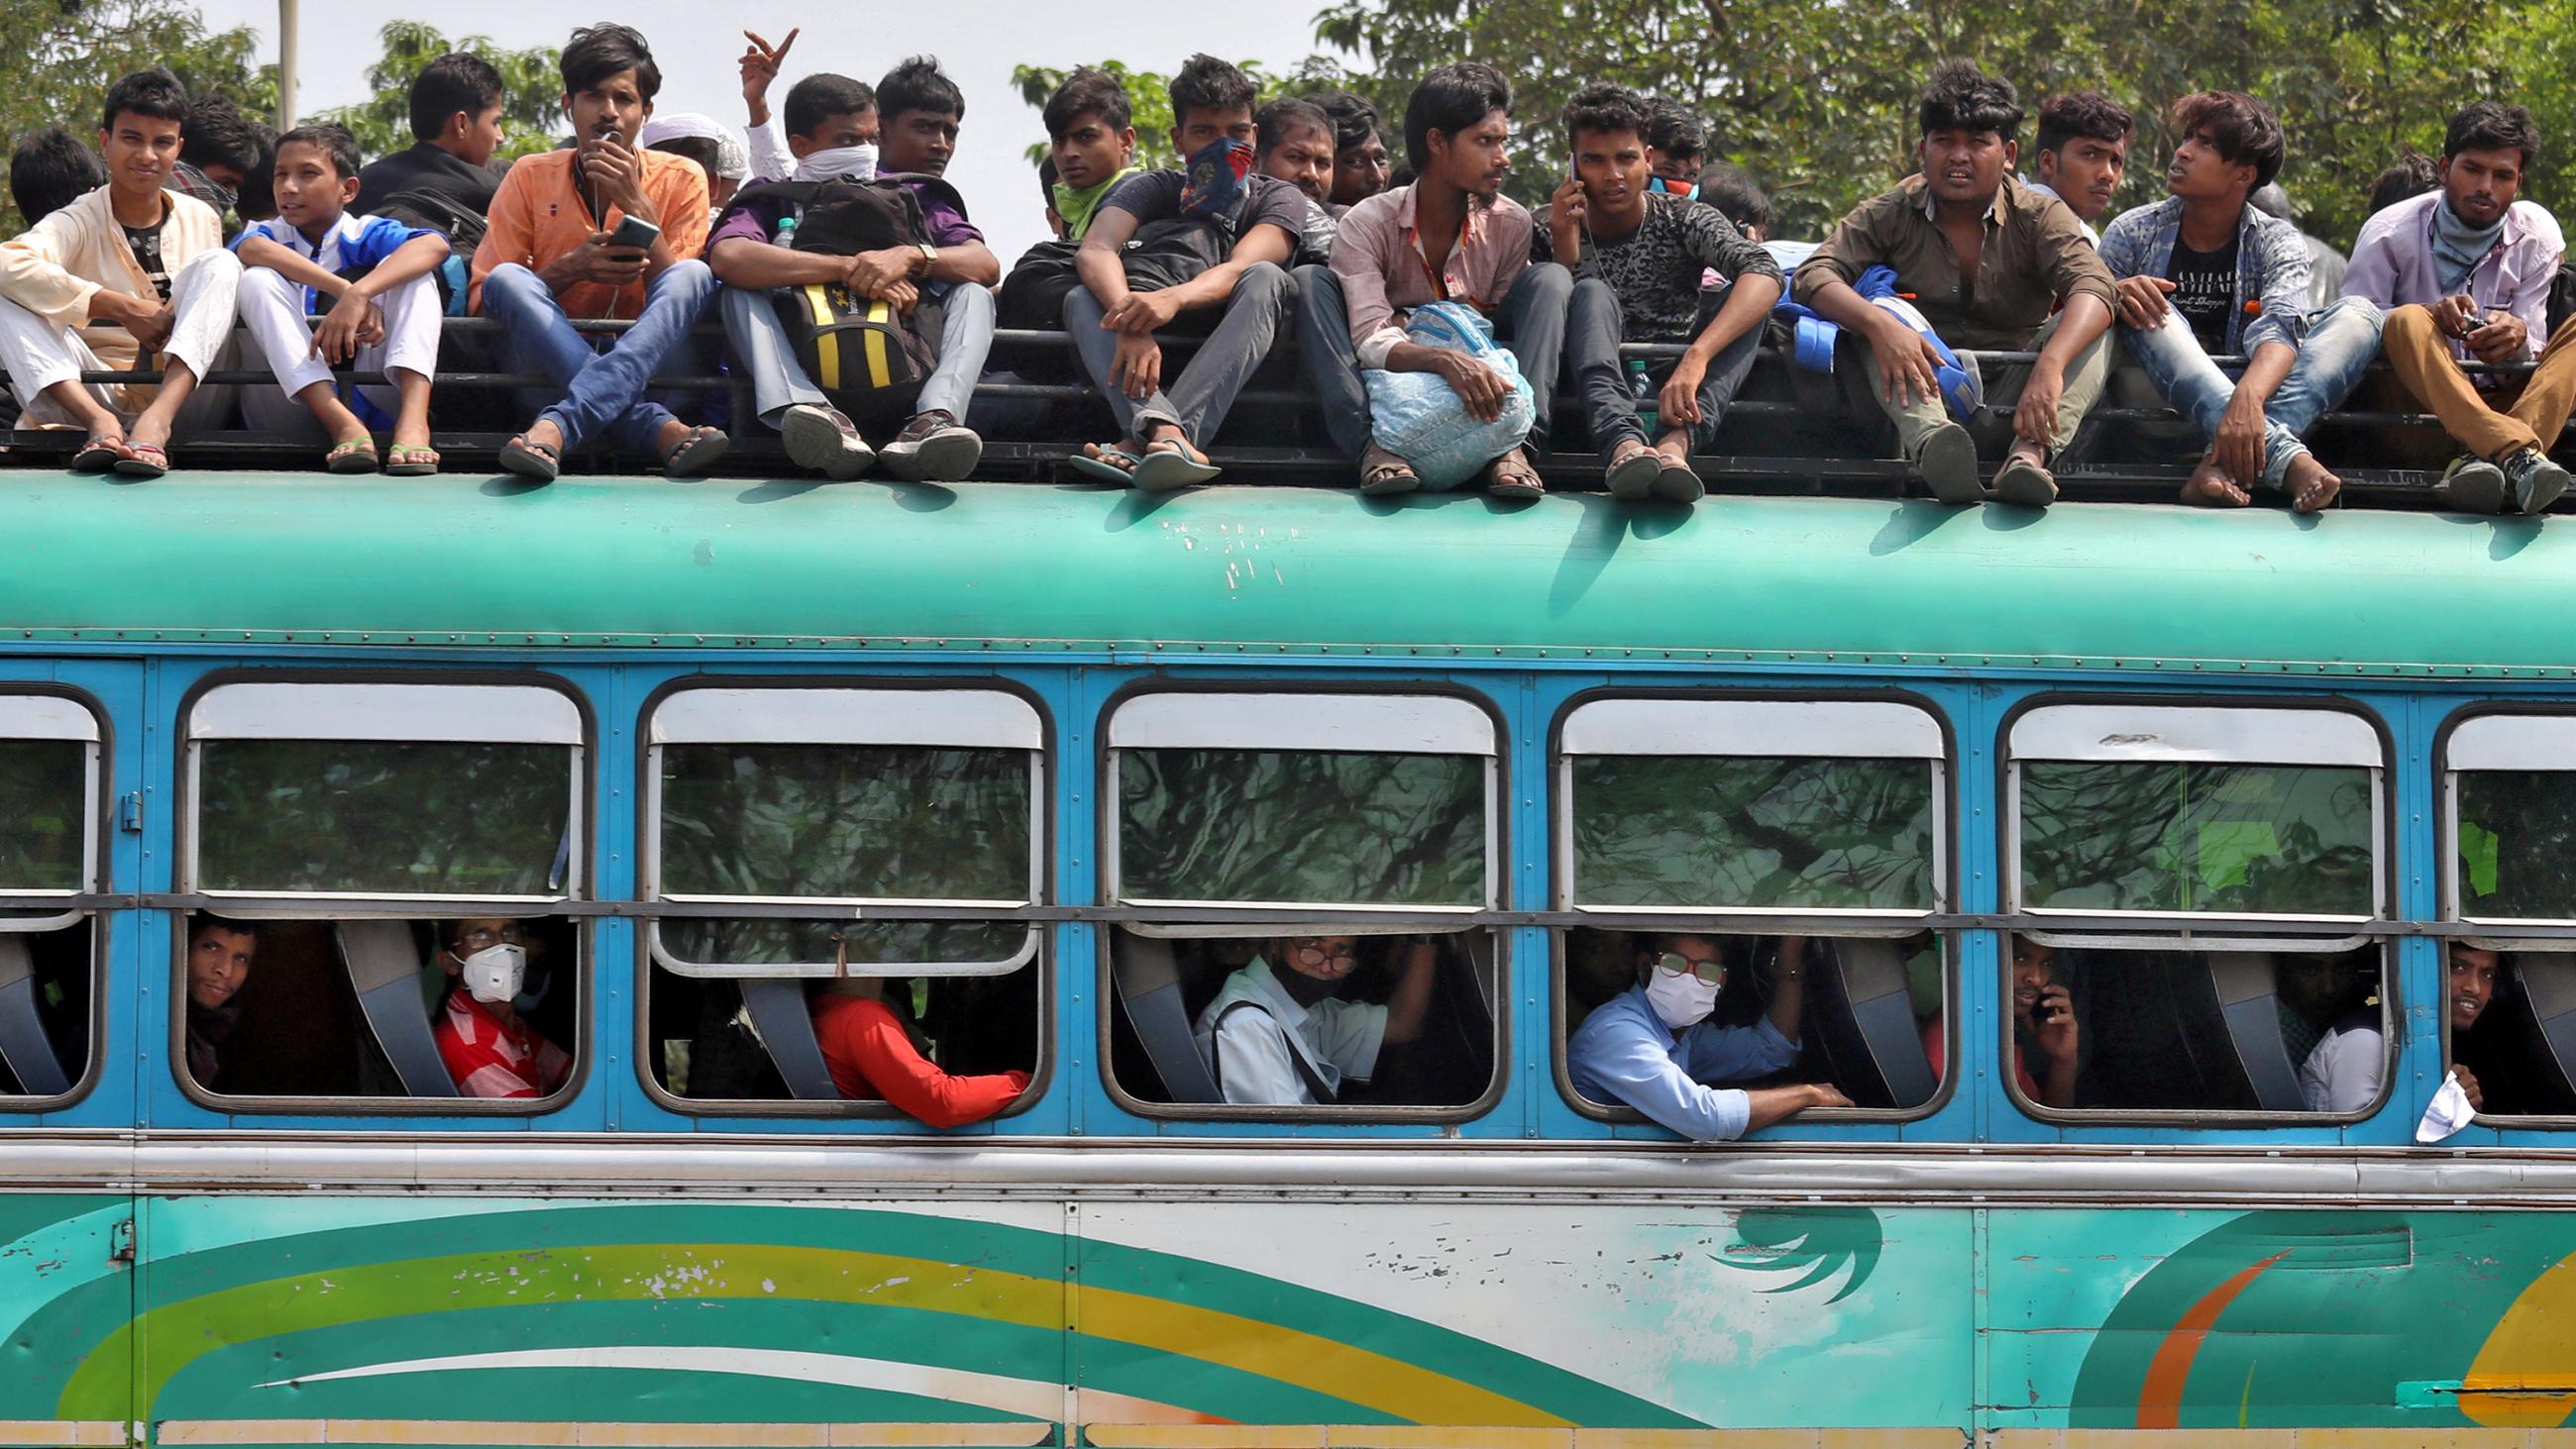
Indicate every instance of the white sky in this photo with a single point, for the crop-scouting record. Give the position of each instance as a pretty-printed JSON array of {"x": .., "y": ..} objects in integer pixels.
[{"x": 697, "y": 44}]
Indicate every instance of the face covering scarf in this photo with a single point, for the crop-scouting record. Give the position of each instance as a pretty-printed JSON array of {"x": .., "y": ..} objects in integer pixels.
[
  {"x": 1682, "y": 1000},
  {"x": 858, "y": 163},
  {"x": 1078, "y": 206},
  {"x": 1213, "y": 185},
  {"x": 2458, "y": 248}
]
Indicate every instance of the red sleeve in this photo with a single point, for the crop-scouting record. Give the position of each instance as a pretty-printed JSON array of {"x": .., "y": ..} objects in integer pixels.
[
  {"x": 869, "y": 1038},
  {"x": 1936, "y": 1044},
  {"x": 476, "y": 1068}
]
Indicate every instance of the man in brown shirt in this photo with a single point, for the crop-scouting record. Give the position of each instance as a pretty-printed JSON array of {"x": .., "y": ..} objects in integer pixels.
[{"x": 1986, "y": 260}]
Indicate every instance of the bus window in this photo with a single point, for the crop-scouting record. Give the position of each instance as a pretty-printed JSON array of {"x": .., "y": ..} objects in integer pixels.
[
  {"x": 767, "y": 802},
  {"x": 2215, "y": 876},
  {"x": 50, "y": 784},
  {"x": 2510, "y": 1018},
  {"x": 380, "y": 860},
  {"x": 1297, "y": 861},
  {"x": 1721, "y": 816}
]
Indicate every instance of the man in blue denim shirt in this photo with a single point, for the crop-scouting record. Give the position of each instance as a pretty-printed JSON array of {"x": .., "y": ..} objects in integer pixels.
[
  {"x": 1654, "y": 1048},
  {"x": 2203, "y": 273}
]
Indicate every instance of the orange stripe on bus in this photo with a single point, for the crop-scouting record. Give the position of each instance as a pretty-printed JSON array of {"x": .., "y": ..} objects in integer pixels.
[{"x": 2160, "y": 1397}]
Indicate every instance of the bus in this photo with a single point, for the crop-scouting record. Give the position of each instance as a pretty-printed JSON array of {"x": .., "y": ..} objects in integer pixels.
[{"x": 1045, "y": 764}]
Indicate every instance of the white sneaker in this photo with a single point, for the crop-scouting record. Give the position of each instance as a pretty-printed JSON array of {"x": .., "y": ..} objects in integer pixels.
[{"x": 821, "y": 439}]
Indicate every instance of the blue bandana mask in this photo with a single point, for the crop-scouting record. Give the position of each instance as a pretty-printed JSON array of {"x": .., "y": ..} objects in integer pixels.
[{"x": 1213, "y": 183}]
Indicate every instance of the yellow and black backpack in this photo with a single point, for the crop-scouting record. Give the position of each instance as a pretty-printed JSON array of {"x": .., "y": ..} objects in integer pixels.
[{"x": 870, "y": 358}]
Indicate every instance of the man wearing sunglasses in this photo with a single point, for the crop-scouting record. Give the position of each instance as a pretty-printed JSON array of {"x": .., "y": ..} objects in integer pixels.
[
  {"x": 1287, "y": 1039},
  {"x": 1654, "y": 1048}
]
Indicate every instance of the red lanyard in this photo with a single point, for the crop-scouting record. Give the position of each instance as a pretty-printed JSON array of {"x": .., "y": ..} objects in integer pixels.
[{"x": 1439, "y": 283}]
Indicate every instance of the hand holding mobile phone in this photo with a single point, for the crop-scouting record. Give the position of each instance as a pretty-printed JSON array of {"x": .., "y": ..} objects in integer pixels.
[{"x": 634, "y": 231}]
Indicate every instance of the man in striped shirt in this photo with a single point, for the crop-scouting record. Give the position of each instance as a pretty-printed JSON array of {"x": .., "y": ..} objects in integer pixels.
[{"x": 489, "y": 1050}]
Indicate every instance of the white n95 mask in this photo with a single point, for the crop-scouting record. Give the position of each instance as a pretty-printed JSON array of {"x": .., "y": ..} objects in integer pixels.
[
  {"x": 1682, "y": 1000},
  {"x": 495, "y": 973}
]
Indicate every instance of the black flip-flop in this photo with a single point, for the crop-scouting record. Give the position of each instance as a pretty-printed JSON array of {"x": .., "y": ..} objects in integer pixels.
[{"x": 531, "y": 460}]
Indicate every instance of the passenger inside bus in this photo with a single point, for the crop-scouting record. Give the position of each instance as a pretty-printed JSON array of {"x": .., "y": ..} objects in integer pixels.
[
  {"x": 875, "y": 1049},
  {"x": 1276, "y": 1040},
  {"x": 2473, "y": 972},
  {"x": 1654, "y": 1047},
  {"x": 219, "y": 959},
  {"x": 2332, "y": 1032},
  {"x": 489, "y": 1049},
  {"x": 2045, "y": 1034}
]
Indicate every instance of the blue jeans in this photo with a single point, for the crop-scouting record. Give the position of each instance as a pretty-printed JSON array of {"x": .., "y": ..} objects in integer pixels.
[
  {"x": 604, "y": 391},
  {"x": 2342, "y": 339},
  {"x": 1530, "y": 320}
]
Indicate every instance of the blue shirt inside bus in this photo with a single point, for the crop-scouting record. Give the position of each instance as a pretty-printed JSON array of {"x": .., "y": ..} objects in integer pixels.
[{"x": 1624, "y": 1052}]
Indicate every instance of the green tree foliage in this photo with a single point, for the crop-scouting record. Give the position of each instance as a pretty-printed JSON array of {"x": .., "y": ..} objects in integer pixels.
[
  {"x": 531, "y": 90},
  {"x": 1149, "y": 98},
  {"x": 1815, "y": 96},
  {"x": 58, "y": 57}
]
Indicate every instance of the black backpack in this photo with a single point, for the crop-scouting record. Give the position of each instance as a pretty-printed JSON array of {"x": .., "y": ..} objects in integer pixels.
[
  {"x": 2562, "y": 296},
  {"x": 869, "y": 357},
  {"x": 1161, "y": 255},
  {"x": 451, "y": 218}
]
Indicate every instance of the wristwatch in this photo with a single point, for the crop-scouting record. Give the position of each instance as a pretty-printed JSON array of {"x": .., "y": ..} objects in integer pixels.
[{"x": 929, "y": 257}]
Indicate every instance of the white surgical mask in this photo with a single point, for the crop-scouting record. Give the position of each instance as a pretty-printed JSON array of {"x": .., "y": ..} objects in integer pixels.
[
  {"x": 495, "y": 973},
  {"x": 1682, "y": 1000},
  {"x": 858, "y": 162}
]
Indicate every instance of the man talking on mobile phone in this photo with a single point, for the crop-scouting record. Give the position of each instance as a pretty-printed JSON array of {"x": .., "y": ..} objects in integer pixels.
[{"x": 601, "y": 229}]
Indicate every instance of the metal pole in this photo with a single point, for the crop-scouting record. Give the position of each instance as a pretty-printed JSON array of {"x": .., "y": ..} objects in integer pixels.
[{"x": 286, "y": 65}]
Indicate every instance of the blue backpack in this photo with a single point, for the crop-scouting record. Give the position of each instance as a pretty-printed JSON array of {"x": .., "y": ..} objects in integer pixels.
[{"x": 1961, "y": 387}]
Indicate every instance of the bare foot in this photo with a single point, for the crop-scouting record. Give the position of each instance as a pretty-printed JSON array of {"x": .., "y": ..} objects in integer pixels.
[
  {"x": 150, "y": 430},
  {"x": 2311, "y": 486},
  {"x": 669, "y": 436},
  {"x": 1675, "y": 446},
  {"x": 2211, "y": 487},
  {"x": 1120, "y": 456},
  {"x": 544, "y": 434}
]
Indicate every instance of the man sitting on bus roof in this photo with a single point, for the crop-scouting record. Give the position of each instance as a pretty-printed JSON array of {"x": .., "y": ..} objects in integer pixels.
[
  {"x": 868, "y": 1042},
  {"x": 1655, "y": 1049},
  {"x": 1245, "y": 224},
  {"x": 129, "y": 276},
  {"x": 551, "y": 255},
  {"x": 1290, "y": 1041},
  {"x": 490, "y": 1050},
  {"x": 219, "y": 957},
  {"x": 1294, "y": 143},
  {"x": 1988, "y": 263},
  {"x": 1639, "y": 259},
  {"x": 1450, "y": 235},
  {"x": 2464, "y": 271},
  {"x": 2203, "y": 273},
  {"x": 2079, "y": 153}
]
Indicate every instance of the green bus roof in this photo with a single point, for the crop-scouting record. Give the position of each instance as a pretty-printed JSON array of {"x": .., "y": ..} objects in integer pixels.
[{"x": 630, "y": 562}]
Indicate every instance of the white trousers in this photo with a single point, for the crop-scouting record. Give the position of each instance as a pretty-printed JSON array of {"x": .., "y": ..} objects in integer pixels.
[{"x": 39, "y": 355}]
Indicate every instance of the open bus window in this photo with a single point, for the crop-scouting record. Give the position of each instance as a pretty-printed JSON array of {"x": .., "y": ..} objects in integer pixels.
[
  {"x": 839, "y": 802},
  {"x": 50, "y": 787},
  {"x": 1294, "y": 857},
  {"x": 381, "y": 858},
  {"x": 2510, "y": 807},
  {"x": 1721, "y": 816},
  {"x": 2281, "y": 1032},
  {"x": 2218, "y": 872}
]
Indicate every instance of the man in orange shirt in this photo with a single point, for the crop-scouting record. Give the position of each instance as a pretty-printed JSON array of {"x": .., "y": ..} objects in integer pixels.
[
  {"x": 549, "y": 255},
  {"x": 871, "y": 1052}
]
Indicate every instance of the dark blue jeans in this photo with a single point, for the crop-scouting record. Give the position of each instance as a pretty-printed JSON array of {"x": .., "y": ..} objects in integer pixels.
[{"x": 604, "y": 390}]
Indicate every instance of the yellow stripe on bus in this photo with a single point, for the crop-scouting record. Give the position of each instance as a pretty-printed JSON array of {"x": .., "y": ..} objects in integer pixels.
[{"x": 563, "y": 1434}]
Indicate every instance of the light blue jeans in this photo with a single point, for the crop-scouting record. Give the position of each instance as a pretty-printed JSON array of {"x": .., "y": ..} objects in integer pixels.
[
  {"x": 2342, "y": 340},
  {"x": 604, "y": 391}
]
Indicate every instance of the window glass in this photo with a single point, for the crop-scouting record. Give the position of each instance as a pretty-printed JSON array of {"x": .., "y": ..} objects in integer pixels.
[
  {"x": 1758, "y": 833},
  {"x": 777, "y": 941},
  {"x": 44, "y": 814},
  {"x": 373, "y": 817},
  {"x": 879, "y": 822},
  {"x": 1302, "y": 826},
  {"x": 2518, "y": 844},
  {"x": 2160, "y": 836}
]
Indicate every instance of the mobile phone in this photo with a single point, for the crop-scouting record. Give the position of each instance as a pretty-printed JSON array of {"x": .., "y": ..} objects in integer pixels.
[{"x": 633, "y": 231}]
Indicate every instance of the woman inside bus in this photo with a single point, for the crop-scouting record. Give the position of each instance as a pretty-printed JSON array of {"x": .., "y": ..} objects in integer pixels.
[
  {"x": 1285, "y": 1041},
  {"x": 1655, "y": 1049}
]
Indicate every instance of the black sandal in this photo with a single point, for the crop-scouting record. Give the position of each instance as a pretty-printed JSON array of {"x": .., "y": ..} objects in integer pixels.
[{"x": 531, "y": 460}]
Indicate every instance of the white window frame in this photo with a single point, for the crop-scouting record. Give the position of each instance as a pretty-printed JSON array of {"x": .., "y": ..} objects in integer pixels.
[
  {"x": 1289, "y": 722},
  {"x": 845, "y": 715},
  {"x": 1752, "y": 729},
  {"x": 2196, "y": 734},
  {"x": 404, "y": 713},
  {"x": 2497, "y": 742},
  {"x": 55, "y": 718}
]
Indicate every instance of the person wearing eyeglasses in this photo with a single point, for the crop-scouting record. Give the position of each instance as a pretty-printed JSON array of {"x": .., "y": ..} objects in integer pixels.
[
  {"x": 489, "y": 1049},
  {"x": 1654, "y": 1048},
  {"x": 1287, "y": 1038}
]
